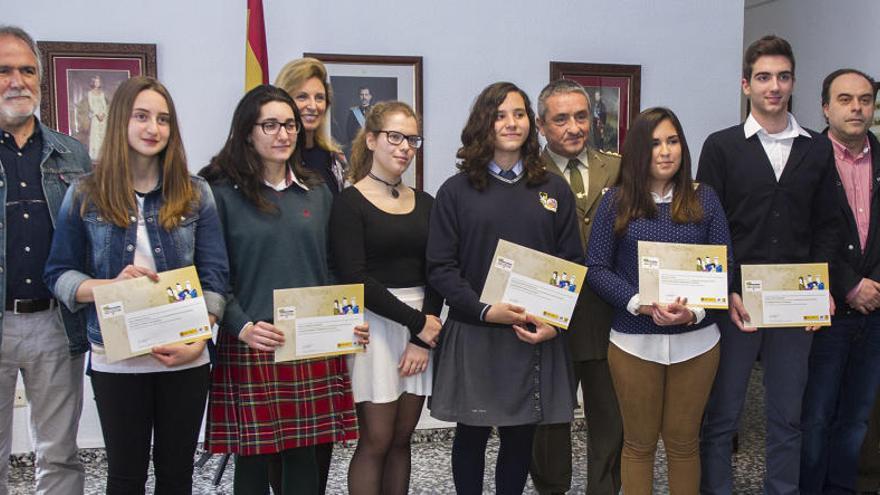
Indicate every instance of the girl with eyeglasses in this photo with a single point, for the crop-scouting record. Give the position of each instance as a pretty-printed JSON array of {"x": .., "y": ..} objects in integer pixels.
[
  {"x": 378, "y": 231},
  {"x": 495, "y": 365},
  {"x": 139, "y": 213},
  {"x": 274, "y": 214}
]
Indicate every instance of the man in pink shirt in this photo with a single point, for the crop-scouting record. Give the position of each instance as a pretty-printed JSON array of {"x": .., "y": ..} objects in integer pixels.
[{"x": 844, "y": 368}]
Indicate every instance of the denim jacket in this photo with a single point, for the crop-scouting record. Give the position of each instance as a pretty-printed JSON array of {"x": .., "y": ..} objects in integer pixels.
[
  {"x": 87, "y": 246},
  {"x": 63, "y": 160}
]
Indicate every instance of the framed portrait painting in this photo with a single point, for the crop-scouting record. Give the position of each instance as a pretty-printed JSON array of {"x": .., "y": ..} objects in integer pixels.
[
  {"x": 614, "y": 98},
  {"x": 79, "y": 81},
  {"x": 361, "y": 81}
]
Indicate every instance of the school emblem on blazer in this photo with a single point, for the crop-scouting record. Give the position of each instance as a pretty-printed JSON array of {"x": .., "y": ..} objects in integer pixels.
[{"x": 548, "y": 202}]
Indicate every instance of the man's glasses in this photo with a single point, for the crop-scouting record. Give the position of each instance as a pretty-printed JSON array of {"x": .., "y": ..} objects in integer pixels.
[
  {"x": 395, "y": 138},
  {"x": 273, "y": 127}
]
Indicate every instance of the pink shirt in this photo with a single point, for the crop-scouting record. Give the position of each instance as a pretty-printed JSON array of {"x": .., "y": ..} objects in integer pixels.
[{"x": 856, "y": 175}]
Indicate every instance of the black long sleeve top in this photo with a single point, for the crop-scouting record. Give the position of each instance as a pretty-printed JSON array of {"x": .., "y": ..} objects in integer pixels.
[{"x": 384, "y": 250}]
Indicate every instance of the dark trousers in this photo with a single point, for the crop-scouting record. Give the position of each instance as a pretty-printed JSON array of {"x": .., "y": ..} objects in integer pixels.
[
  {"x": 511, "y": 468},
  {"x": 869, "y": 457},
  {"x": 134, "y": 409},
  {"x": 784, "y": 356},
  {"x": 551, "y": 454},
  {"x": 843, "y": 382},
  {"x": 297, "y": 473}
]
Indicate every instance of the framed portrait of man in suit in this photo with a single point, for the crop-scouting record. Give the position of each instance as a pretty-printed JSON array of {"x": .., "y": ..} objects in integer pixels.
[{"x": 361, "y": 81}]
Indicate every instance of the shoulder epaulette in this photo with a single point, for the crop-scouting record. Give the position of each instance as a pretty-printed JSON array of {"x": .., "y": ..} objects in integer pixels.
[{"x": 610, "y": 153}]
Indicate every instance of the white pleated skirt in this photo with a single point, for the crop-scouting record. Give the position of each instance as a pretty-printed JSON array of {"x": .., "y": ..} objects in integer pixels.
[{"x": 374, "y": 374}]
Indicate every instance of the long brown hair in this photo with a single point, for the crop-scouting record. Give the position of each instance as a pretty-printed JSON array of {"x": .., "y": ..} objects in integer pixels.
[
  {"x": 293, "y": 75},
  {"x": 361, "y": 156},
  {"x": 109, "y": 188},
  {"x": 238, "y": 162},
  {"x": 478, "y": 138},
  {"x": 633, "y": 198}
]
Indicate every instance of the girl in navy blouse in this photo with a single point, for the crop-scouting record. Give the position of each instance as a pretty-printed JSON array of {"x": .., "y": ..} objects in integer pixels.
[{"x": 663, "y": 358}]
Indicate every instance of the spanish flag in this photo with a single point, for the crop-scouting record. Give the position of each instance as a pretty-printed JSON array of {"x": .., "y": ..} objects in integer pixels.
[{"x": 256, "y": 58}]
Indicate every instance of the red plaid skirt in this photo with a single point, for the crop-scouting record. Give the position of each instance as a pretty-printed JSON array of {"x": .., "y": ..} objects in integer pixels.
[{"x": 259, "y": 407}]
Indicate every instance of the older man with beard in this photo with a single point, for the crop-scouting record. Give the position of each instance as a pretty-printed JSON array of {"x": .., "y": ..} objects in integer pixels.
[{"x": 36, "y": 166}]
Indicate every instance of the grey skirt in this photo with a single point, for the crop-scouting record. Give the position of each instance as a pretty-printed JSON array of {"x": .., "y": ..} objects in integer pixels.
[{"x": 485, "y": 376}]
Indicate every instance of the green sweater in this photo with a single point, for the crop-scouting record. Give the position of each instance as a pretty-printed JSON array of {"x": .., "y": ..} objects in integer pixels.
[{"x": 269, "y": 251}]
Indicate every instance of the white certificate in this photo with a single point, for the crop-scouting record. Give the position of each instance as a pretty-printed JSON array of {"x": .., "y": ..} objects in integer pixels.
[
  {"x": 548, "y": 302},
  {"x": 138, "y": 314},
  {"x": 318, "y": 321},
  {"x": 795, "y": 307},
  {"x": 150, "y": 327},
  {"x": 700, "y": 288},
  {"x": 546, "y": 286},
  {"x": 695, "y": 271},
  {"x": 326, "y": 334},
  {"x": 790, "y": 295}
]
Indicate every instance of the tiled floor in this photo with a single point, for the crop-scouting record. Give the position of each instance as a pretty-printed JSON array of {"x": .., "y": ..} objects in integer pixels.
[{"x": 431, "y": 465}]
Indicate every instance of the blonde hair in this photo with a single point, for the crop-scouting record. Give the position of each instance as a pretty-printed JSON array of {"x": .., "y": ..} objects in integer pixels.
[
  {"x": 292, "y": 76},
  {"x": 361, "y": 156}
]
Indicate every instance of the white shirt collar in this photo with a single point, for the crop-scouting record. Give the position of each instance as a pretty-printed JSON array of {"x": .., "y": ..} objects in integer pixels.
[
  {"x": 666, "y": 198},
  {"x": 517, "y": 168},
  {"x": 286, "y": 182},
  {"x": 562, "y": 162},
  {"x": 792, "y": 130}
]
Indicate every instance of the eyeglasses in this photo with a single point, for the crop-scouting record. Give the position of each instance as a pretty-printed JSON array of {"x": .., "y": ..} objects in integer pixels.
[
  {"x": 395, "y": 138},
  {"x": 273, "y": 127}
]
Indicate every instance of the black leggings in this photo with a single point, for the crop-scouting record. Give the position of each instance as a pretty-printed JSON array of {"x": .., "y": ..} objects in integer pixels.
[
  {"x": 165, "y": 407},
  {"x": 298, "y": 473},
  {"x": 511, "y": 468}
]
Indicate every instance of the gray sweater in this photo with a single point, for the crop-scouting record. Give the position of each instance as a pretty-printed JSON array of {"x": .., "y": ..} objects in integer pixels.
[{"x": 269, "y": 251}]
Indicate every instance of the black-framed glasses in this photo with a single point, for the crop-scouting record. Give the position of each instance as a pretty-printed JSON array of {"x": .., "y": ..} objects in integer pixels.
[
  {"x": 273, "y": 127},
  {"x": 395, "y": 138}
]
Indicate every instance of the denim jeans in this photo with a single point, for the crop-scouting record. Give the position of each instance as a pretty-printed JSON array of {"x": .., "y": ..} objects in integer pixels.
[{"x": 843, "y": 381}]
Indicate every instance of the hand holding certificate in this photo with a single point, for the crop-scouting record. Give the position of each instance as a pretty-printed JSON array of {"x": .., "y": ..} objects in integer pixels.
[
  {"x": 139, "y": 314},
  {"x": 787, "y": 295},
  {"x": 318, "y": 321},
  {"x": 546, "y": 286},
  {"x": 696, "y": 272}
]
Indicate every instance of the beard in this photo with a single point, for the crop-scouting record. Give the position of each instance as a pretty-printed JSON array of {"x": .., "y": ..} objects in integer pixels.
[{"x": 14, "y": 115}]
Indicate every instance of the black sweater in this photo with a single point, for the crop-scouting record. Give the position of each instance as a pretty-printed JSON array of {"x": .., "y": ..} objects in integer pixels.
[
  {"x": 466, "y": 225},
  {"x": 793, "y": 220},
  {"x": 382, "y": 250}
]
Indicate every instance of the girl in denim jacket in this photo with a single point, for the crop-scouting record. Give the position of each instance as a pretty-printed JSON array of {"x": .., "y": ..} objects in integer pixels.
[{"x": 141, "y": 213}]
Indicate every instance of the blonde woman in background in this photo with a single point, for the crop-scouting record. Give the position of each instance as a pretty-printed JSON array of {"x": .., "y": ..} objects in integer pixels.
[{"x": 306, "y": 81}]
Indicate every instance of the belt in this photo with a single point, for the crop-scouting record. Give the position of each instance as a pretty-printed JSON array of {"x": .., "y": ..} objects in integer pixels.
[{"x": 23, "y": 306}]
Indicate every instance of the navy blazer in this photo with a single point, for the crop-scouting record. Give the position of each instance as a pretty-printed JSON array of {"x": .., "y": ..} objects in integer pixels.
[
  {"x": 851, "y": 264},
  {"x": 792, "y": 220}
]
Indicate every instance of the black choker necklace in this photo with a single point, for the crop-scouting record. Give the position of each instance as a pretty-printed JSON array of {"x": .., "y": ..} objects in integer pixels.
[{"x": 394, "y": 192}]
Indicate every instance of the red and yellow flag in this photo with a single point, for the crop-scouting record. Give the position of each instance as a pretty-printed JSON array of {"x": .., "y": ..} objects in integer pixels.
[{"x": 256, "y": 58}]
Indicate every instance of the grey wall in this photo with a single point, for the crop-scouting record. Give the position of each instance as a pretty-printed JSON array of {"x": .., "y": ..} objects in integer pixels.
[
  {"x": 825, "y": 36},
  {"x": 689, "y": 51}
]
